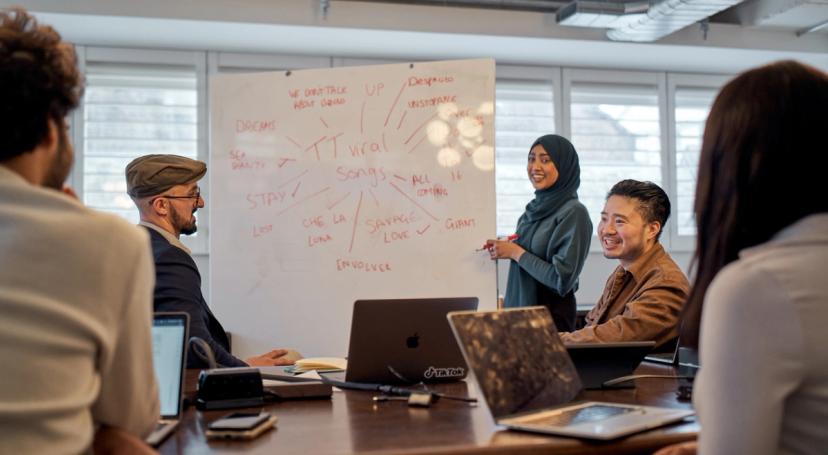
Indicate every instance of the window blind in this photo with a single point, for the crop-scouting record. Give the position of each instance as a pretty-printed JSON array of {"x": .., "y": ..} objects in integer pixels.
[
  {"x": 692, "y": 107},
  {"x": 616, "y": 131},
  {"x": 131, "y": 111},
  {"x": 524, "y": 111}
]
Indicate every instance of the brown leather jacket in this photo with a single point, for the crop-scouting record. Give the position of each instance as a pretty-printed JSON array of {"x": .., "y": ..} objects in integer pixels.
[{"x": 639, "y": 304}]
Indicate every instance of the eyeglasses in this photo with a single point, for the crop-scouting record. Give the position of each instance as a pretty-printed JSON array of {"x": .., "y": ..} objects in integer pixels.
[{"x": 195, "y": 196}]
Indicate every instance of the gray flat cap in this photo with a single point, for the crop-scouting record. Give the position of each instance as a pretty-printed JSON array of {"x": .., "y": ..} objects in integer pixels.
[{"x": 153, "y": 174}]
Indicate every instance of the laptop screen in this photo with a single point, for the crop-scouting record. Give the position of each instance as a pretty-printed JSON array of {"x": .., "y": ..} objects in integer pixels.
[
  {"x": 409, "y": 336},
  {"x": 518, "y": 359},
  {"x": 169, "y": 332}
]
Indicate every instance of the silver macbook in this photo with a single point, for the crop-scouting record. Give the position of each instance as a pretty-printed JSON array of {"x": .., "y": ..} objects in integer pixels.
[
  {"x": 169, "y": 351},
  {"x": 405, "y": 341},
  {"x": 530, "y": 384}
]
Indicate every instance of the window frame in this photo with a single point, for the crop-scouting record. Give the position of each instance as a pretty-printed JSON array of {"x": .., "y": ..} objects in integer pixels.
[
  {"x": 150, "y": 58},
  {"x": 622, "y": 77},
  {"x": 684, "y": 243},
  {"x": 252, "y": 62},
  {"x": 533, "y": 74},
  {"x": 548, "y": 74},
  {"x": 338, "y": 62}
]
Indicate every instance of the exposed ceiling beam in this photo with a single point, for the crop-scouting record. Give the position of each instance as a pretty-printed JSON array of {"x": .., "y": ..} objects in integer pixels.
[
  {"x": 632, "y": 20},
  {"x": 815, "y": 28},
  {"x": 667, "y": 16},
  {"x": 540, "y": 6}
]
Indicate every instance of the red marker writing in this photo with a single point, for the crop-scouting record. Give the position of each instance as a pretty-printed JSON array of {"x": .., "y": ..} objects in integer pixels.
[{"x": 488, "y": 245}]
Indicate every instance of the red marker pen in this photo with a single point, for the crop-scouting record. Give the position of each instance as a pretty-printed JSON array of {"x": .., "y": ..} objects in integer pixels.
[{"x": 487, "y": 245}]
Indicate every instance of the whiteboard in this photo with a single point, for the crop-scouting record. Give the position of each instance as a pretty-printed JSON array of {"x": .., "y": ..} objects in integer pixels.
[{"x": 333, "y": 185}]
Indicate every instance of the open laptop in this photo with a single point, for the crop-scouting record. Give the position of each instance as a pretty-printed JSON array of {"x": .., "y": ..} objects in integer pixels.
[
  {"x": 409, "y": 336},
  {"x": 169, "y": 355},
  {"x": 684, "y": 357},
  {"x": 530, "y": 384},
  {"x": 667, "y": 358},
  {"x": 670, "y": 357},
  {"x": 597, "y": 363}
]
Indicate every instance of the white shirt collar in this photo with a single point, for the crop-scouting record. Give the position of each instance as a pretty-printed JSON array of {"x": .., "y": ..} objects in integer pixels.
[{"x": 167, "y": 235}]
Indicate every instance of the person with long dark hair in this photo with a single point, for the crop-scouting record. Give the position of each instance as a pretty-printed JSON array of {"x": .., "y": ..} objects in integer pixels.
[
  {"x": 758, "y": 310},
  {"x": 553, "y": 234}
]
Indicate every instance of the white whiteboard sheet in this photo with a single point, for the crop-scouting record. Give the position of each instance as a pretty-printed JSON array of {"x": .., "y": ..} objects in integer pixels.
[{"x": 333, "y": 185}]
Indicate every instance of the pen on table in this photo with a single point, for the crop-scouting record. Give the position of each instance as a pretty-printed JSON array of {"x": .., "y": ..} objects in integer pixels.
[{"x": 487, "y": 245}]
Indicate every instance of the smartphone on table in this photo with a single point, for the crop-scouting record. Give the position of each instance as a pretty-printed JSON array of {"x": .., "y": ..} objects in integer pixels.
[{"x": 241, "y": 425}]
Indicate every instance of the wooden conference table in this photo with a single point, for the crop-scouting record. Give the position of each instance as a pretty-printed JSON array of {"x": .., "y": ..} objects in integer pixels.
[{"x": 351, "y": 423}]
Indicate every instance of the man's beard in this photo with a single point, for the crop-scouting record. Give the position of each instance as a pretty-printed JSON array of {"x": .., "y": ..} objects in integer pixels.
[
  {"x": 59, "y": 168},
  {"x": 184, "y": 226}
]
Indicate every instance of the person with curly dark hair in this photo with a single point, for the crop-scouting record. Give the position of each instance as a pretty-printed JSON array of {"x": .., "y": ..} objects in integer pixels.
[
  {"x": 76, "y": 284},
  {"x": 39, "y": 85}
]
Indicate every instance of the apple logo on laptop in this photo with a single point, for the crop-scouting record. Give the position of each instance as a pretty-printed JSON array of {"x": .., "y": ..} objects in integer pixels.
[{"x": 413, "y": 341}]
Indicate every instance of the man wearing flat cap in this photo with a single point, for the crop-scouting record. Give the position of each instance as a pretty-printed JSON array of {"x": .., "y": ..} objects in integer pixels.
[{"x": 165, "y": 190}]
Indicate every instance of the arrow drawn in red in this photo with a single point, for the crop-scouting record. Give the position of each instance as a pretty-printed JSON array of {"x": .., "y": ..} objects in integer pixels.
[
  {"x": 303, "y": 200},
  {"x": 414, "y": 202},
  {"x": 394, "y": 104},
  {"x": 283, "y": 161},
  {"x": 340, "y": 200},
  {"x": 294, "y": 142},
  {"x": 374, "y": 196},
  {"x": 293, "y": 179},
  {"x": 356, "y": 219}
]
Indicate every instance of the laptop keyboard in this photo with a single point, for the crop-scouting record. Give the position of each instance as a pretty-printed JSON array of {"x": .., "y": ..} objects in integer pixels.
[{"x": 575, "y": 416}]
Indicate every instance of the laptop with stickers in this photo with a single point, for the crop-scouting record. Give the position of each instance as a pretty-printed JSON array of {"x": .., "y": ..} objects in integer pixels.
[
  {"x": 530, "y": 383},
  {"x": 405, "y": 341}
]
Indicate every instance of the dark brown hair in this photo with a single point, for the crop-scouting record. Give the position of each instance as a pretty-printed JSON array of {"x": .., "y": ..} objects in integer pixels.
[
  {"x": 762, "y": 168},
  {"x": 39, "y": 81}
]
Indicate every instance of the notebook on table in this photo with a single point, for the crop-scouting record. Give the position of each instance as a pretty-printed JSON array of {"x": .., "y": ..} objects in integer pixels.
[
  {"x": 530, "y": 384},
  {"x": 405, "y": 341},
  {"x": 597, "y": 363},
  {"x": 169, "y": 357}
]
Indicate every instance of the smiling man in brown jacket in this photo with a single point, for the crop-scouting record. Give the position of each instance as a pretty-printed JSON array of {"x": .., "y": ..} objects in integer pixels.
[{"x": 644, "y": 296}]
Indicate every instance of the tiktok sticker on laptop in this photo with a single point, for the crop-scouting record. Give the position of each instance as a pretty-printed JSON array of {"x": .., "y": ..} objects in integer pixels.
[{"x": 439, "y": 373}]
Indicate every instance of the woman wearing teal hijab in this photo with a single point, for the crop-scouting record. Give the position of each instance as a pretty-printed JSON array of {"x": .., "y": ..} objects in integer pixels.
[{"x": 553, "y": 235}]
